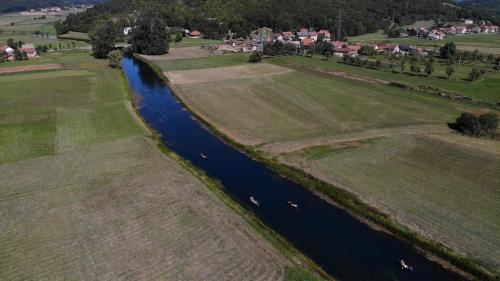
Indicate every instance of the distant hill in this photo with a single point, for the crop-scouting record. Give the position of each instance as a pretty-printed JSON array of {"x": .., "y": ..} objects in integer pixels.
[
  {"x": 20, "y": 5},
  {"x": 351, "y": 17},
  {"x": 481, "y": 8}
]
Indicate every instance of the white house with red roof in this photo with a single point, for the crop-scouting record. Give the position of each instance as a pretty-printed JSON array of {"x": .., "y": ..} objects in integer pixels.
[
  {"x": 30, "y": 50},
  {"x": 327, "y": 36}
]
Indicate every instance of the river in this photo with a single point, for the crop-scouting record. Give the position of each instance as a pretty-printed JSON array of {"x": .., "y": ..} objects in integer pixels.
[{"x": 343, "y": 246}]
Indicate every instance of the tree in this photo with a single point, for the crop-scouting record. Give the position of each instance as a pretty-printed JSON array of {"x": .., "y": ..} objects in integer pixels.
[
  {"x": 150, "y": 36},
  {"x": 10, "y": 43},
  {"x": 367, "y": 51},
  {"x": 449, "y": 50},
  {"x": 489, "y": 121},
  {"x": 475, "y": 73},
  {"x": 178, "y": 37},
  {"x": 449, "y": 71},
  {"x": 402, "y": 66},
  {"x": 429, "y": 68},
  {"x": 255, "y": 57},
  {"x": 102, "y": 39},
  {"x": 472, "y": 125},
  {"x": 114, "y": 59}
]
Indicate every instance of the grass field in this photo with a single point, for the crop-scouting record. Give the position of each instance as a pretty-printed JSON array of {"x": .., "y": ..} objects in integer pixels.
[
  {"x": 484, "y": 43},
  {"x": 86, "y": 195},
  {"x": 79, "y": 36},
  {"x": 188, "y": 42},
  {"x": 203, "y": 62},
  {"x": 24, "y": 26},
  {"x": 484, "y": 88},
  {"x": 391, "y": 148}
]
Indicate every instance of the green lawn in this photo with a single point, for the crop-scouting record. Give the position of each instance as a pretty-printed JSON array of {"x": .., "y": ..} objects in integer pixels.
[
  {"x": 79, "y": 36},
  {"x": 188, "y": 42},
  {"x": 484, "y": 43},
  {"x": 485, "y": 87},
  {"x": 203, "y": 63},
  {"x": 32, "y": 115}
]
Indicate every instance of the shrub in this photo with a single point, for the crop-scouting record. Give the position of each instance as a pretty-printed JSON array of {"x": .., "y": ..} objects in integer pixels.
[
  {"x": 114, "y": 59},
  {"x": 475, "y": 74},
  {"x": 472, "y": 125},
  {"x": 255, "y": 57}
]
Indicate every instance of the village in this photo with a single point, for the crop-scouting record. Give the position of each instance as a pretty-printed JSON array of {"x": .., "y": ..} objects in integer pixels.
[
  {"x": 17, "y": 51},
  {"x": 305, "y": 39}
]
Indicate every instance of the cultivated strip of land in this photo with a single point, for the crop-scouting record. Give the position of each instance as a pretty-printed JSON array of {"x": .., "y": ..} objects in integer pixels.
[{"x": 49, "y": 66}]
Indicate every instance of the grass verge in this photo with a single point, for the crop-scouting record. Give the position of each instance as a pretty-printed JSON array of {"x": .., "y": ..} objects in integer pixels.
[{"x": 304, "y": 267}]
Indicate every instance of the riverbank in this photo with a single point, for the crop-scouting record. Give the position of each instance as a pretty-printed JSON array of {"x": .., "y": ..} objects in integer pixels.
[{"x": 347, "y": 200}]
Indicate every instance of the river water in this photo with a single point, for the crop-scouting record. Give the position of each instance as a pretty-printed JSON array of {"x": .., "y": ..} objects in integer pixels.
[{"x": 344, "y": 247}]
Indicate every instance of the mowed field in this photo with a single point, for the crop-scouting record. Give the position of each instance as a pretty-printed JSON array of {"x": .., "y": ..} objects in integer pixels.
[
  {"x": 483, "y": 88},
  {"x": 86, "y": 195},
  {"x": 390, "y": 147},
  {"x": 484, "y": 43}
]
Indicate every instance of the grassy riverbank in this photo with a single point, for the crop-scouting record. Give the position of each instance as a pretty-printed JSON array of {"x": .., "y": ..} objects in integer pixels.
[{"x": 256, "y": 111}]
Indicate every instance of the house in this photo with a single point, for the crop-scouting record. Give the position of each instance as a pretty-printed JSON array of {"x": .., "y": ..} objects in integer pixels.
[
  {"x": 307, "y": 42},
  {"x": 355, "y": 48},
  {"x": 325, "y": 34},
  {"x": 30, "y": 50},
  {"x": 337, "y": 44},
  {"x": 303, "y": 34},
  {"x": 343, "y": 52},
  {"x": 435, "y": 35},
  {"x": 287, "y": 35},
  {"x": 375, "y": 47},
  {"x": 461, "y": 29},
  {"x": 195, "y": 35},
  {"x": 489, "y": 29},
  {"x": 467, "y": 21},
  {"x": 390, "y": 49},
  {"x": 313, "y": 35},
  {"x": 7, "y": 53},
  {"x": 127, "y": 30},
  {"x": 406, "y": 49}
]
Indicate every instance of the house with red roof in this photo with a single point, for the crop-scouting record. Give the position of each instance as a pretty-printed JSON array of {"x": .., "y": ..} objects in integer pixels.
[
  {"x": 29, "y": 49},
  {"x": 342, "y": 52},
  {"x": 307, "y": 42},
  {"x": 326, "y": 34},
  {"x": 195, "y": 35}
]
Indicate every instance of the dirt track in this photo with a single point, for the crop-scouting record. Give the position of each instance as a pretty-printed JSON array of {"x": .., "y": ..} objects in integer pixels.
[{"x": 49, "y": 66}]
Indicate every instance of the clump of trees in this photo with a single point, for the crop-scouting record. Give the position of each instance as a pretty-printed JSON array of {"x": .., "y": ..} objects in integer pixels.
[
  {"x": 150, "y": 36},
  {"x": 477, "y": 126},
  {"x": 255, "y": 57},
  {"x": 102, "y": 39},
  {"x": 279, "y": 49}
]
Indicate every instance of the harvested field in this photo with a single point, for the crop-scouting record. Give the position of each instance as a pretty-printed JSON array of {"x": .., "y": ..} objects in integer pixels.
[
  {"x": 445, "y": 190},
  {"x": 391, "y": 148},
  {"x": 13, "y": 69},
  {"x": 86, "y": 195},
  {"x": 181, "y": 53},
  {"x": 137, "y": 215},
  {"x": 203, "y": 63},
  {"x": 225, "y": 73}
]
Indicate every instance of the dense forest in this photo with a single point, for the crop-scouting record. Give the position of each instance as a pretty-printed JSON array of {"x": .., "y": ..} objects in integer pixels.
[
  {"x": 479, "y": 8},
  {"x": 22, "y": 5},
  {"x": 217, "y": 17}
]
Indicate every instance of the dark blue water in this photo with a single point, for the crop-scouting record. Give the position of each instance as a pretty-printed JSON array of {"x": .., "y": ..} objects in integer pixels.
[{"x": 346, "y": 248}]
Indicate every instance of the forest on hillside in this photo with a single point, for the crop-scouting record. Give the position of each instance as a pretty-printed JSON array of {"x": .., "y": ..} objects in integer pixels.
[
  {"x": 217, "y": 17},
  {"x": 22, "y": 5}
]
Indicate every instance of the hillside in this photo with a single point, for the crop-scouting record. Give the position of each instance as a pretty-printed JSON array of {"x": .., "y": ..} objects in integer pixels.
[
  {"x": 19, "y": 5},
  {"x": 216, "y": 17}
]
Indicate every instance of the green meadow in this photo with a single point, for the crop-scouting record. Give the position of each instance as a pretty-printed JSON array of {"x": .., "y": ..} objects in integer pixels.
[{"x": 484, "y": 88}]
